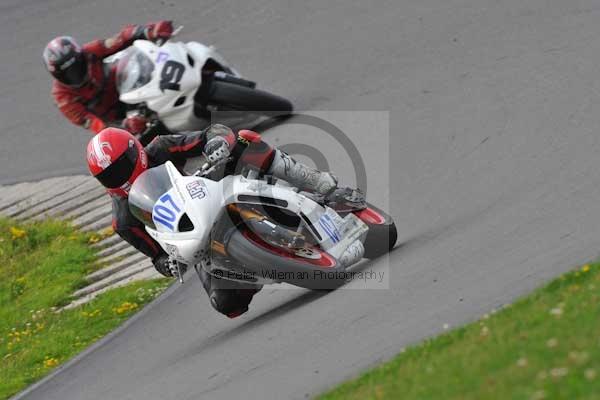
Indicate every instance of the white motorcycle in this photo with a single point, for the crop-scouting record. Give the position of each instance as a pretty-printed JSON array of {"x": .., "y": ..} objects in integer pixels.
[
  {"x": 256, "y": 231},
  {"x": 183, "y": 85}
]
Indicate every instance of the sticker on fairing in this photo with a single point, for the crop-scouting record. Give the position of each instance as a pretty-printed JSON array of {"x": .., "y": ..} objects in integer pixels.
[
  {"x": 166, "y": 212},
  {"x": 197, "y": 189},
  {"x": 162, "y": 56},
  {"x": 328, "y": 225}
]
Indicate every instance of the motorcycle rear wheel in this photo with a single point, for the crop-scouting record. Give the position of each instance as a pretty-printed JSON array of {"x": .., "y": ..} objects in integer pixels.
[
  {"x": 382, "y": 234},
  {"x": 242, "y": 98}
]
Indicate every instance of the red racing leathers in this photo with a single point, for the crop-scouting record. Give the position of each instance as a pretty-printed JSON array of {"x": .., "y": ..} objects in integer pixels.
[{"x": 96, "y": 104}]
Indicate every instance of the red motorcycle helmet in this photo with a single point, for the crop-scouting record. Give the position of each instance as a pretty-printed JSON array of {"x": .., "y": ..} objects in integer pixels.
[
  {"x": 65, "y": 60},
  {"x": 116, "y": 158}
]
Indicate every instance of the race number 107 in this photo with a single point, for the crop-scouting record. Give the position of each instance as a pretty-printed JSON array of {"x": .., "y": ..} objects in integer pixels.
[{"x": 166, "y": 212}]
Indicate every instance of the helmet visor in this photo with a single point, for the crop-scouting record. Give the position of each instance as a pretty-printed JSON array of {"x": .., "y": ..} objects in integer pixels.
[
  {"x": 119, "y": 172},
  {"x": 72, "y": 72}
]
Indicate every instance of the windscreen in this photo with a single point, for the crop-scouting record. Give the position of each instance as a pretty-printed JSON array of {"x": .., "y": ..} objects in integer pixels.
[
  {"x": 146, "y": 190},
  {"x": 134, "y": 70}
]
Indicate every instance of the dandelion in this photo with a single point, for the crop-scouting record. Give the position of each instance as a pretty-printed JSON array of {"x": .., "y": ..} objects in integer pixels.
[
  {"x": 50, "y": 362},
  {"x": 522, "y": 362},
  {"x": 585, "y": 268},
  {"x": 125, "y": 307},
  {"x": 559, "y": 372},
  {"x": 553, "y": 342},
  {"x": 94, "y": 239},
  {"x": 106, "y": 232},
  {"x": 17, "y": 233},
  {"x": 589, "y": 374},
  {"x": 484, "y": 331}
]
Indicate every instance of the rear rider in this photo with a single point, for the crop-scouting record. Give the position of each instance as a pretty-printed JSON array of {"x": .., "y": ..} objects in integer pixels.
[{"x": 84, "y": 88}]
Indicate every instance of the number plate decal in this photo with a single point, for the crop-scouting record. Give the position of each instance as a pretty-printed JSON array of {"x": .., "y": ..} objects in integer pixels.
[
  {"x": 329, "y": 226},
  {"x": 166, "y": 212},
  {"x": 171, "y": 75}
]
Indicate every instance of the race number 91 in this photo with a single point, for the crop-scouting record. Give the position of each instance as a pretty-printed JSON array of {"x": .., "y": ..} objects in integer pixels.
[{"x": 171, "y": 75}]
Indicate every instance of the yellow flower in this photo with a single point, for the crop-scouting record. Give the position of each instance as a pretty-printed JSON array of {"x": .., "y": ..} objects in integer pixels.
[
  {"x": 90, "y": 314},
  {"x": 585, "y": 268},
  {"x": 50, "y": 362},
  {"x": 17, "y": 233},
  {"x": 94, "y": 239},
  {"x": 107, "y": 232},
  {"x": 126, "y": 306}
]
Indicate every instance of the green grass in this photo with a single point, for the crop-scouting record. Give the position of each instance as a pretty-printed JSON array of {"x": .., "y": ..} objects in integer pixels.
[
  {"x": 545, "y": 346},
  {"x": 41, "y": 265}
]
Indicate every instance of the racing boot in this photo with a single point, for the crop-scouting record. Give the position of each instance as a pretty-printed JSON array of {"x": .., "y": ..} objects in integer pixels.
[
  {"x": 227, "y": 297},
  {"x": 302, "y": 176},
  {"x": 346, "y": 199},
  {"x": 322, "y": 184}
]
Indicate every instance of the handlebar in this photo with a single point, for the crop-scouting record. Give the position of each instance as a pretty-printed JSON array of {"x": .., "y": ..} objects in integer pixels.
[{"x": 208, "y": 169}]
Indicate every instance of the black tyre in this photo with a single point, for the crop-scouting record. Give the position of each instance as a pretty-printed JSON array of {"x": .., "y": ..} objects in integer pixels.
[
  {"x": 382, "y": 234},
  {"x": 267, "y": 261},
  {"x": 243, "y": 98}
]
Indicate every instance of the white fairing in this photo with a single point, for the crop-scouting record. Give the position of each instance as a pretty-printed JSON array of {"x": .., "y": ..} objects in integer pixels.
[
  {"x": 174, "y": 62},
  {"x": 204, "y": 200}
]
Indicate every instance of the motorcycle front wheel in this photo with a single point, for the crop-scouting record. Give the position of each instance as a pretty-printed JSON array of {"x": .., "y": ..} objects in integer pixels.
[{"x": 311, "y": 268}]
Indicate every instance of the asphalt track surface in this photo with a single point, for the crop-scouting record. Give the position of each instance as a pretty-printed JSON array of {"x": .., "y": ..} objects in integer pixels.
[{"x": 493, "y": 157}]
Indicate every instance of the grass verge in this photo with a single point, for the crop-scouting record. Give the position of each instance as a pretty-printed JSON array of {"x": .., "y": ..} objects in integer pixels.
[
  {"x": 544, "y": 346},
  {"x": 41, "y": 265}
]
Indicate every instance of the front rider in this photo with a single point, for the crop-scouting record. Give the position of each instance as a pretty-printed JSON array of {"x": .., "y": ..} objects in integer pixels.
[
  {"x": 84, "y": 88},
  {"x": 116, "y": 158}
]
